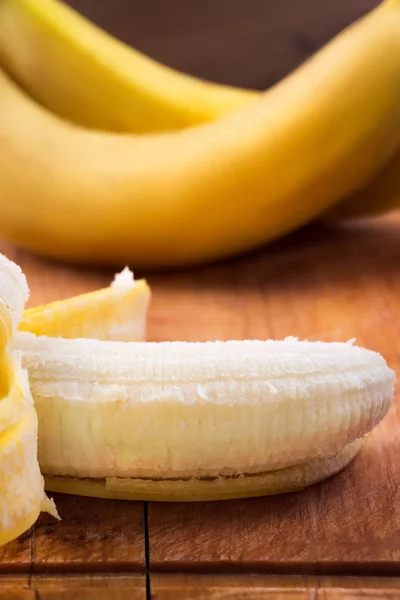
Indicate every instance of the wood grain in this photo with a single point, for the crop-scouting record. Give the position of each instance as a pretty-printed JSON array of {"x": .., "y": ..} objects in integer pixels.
[
  {"x": 15, "y": 588},
  {"x": 16, "y": 556},
  {"x": 362, "y": 594},
  {"x": 252, "y": 44},
  {"x": 198, "y": 587},
  {"x": 322, "y": 283},
  {"x": 249, "y": 587},
  {"x": 17, "y": 594},
  {"x": 94, "y": 535},
  {"x": 253, "y": 587},
  {"x": 88, "y": 587}
]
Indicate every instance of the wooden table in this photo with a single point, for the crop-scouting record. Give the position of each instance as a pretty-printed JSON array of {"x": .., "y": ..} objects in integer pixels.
[{"x": 336, "y": 540}]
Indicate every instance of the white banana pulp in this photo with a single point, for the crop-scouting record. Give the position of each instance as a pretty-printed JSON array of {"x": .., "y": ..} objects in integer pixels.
[
  {"x": 198, "y": 411},
  {"x": 21, "y": 483}
]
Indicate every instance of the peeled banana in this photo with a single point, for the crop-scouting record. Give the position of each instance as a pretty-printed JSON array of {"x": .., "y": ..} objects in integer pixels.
[
  {"x": 81, "y": 73},
  {"x": 192, "y": 421},
  {"x": 211, "y": 191},
  {"x": 193, "y": 489},
  {"x": 22, "y": 494},
  {"x": 174, "y": 420}
]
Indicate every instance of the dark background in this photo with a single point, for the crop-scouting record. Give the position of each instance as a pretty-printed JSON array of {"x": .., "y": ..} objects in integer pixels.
[{"x": 250, "y": 43}]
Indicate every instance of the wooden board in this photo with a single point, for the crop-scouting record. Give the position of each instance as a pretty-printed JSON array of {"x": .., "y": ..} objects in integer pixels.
[
  {"x": 254, "y": 587},
  {"x": 73, "y": 587},
  {"x": 93, "y": 536},
  {"x": 198, "y": 587},
  {"x": 321, "y": 283}
]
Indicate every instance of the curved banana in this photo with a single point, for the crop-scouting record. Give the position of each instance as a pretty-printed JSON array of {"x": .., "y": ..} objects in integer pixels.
[
  {"x": 21, "y": 485},
  {"x": 83, "y": 74},
  {"x": 183, "y": 421},
  {"x": 215, "y": 190},
  {"x": 193, "y": 421},
  {"x": 382, "y": 195},
  {"x": 172, "y": 421}
]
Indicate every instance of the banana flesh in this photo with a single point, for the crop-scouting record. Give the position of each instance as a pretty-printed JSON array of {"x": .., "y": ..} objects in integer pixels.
[
  {"x": 194, "y": 489},
  {"x": 14, "y": 293},
  {"x": 130, "y": 416},
  {"x": 21, "y": 484},
  {"x": 118, "y": 312},
  {"x": 215, "y": 190}
]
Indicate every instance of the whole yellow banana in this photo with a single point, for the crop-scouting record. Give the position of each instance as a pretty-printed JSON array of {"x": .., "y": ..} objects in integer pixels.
[
  {"x": 211, "y": 191},
  {"x": 83, "y": 74}
]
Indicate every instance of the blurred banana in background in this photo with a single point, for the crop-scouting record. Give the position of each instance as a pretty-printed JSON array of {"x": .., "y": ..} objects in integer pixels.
[
  {"x": 318, "y": 142},
  {"x": 85, "y": 75}
]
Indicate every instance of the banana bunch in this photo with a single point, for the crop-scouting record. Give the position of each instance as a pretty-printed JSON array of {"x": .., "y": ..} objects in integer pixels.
[{"x": 215, "y": 171}]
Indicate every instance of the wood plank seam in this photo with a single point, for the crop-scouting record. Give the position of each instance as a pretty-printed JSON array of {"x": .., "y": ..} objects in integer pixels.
[
  {"x": 147, "y": 549},
  {"x": 335, "y": 570},
  {"x": 202, "y": 587},
  {"x": 32, "y": 553}
]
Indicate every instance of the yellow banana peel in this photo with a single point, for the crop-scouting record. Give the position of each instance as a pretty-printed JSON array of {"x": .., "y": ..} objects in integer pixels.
[
  {"x": 85, "y": 75},
  {"x": 211, "y": 191}
]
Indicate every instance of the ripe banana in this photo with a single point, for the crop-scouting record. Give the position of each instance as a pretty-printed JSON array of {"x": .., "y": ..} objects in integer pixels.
[
  {"x": 118, "y": 312},
  {"x": 187, "y": 421},
  {"x": 215, "y": 190},
  {"x": 85, "y": 75},
  {"x": 82, "y": 74},
  {"x": 21, "y": 484}
]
